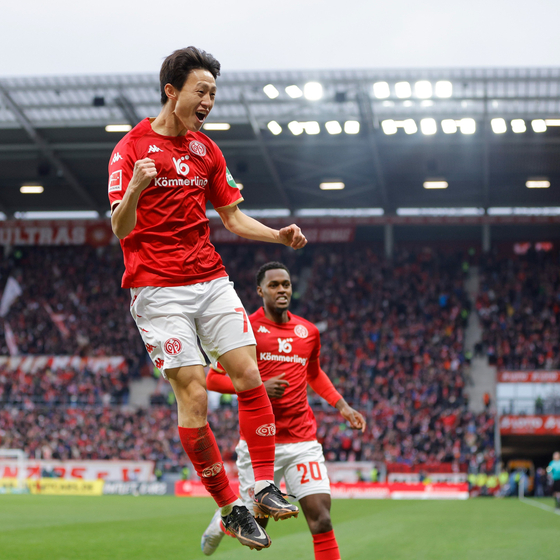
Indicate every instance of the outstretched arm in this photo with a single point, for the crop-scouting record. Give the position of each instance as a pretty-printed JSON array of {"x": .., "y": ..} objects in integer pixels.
[
  {"x": 322, "y": 385},
  {"x": 239, "y": 223}
]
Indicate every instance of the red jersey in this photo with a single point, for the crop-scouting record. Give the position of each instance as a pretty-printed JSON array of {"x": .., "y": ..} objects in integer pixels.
[
  {"x": 170, "y": 244},
  {"x": 288, "y": 348}
]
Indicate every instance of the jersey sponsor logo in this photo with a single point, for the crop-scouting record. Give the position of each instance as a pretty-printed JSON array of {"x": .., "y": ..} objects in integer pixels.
[
  {"x": 181, "y": 166},
  {"x": 301, "y": 331},
  {"x": 166, "y": 182},
  {"x": 115, "y": 181},
  {"x": 215, "y": 469},
  {"x": 197, "y": 148},
  {"x": 116, "y": 158},
  {"x": 172, "y": 346},
  {"x": 284, "y": 345},
  {"x": 149, "y": 347},
  {"x": 270, "y": 357},
  {"x": 230, "y": 180},
  {"x": 153, "y": 148},
  {"x": 263, "y": 329},
  {"x": 266, "y": 430}
]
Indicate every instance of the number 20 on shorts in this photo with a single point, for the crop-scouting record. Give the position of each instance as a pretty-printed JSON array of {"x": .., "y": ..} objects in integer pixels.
[{"x": 311, "y": 468}]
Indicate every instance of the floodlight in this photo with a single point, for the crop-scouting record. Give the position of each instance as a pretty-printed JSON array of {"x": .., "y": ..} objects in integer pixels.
[
  {"x": 313, "y": 91},
  {"x": 333, "y": 127},
  {"x": 295, "y": 128},
  {"x": 467, "y": 126},
  {"x": 311, "y": 127},
  {"x": 389, "y": 126},
  {"x": 402, "y": 89},
  {"x": 118, "y": 128},
  {"x": 31, "y": 189},
  {"x": 518, "y": 126},
  {"x": 538, "y": 125},
  {"x": 449, "y": 126},
  {"x": 381, "y": 90},
  {"x": 352, "y": 127},
  {"x": 407, "y": 103},
  {"x": 239, "y": 186},
  {"x": 498, "y": 126},
  {"x": 423, "y": 89},
  {"x": 271, "y": 91},
  {"x": 428, "y": 126},
  {"x": 216, "y": 126},
  {"x": 388, "y": 103},
  {"x": 274, "y": 127},
  {"x": 294, "y": 92},
  {"x": 552, "y": 122},
  {"x": 426, "y": 103},
  {"x": 410, "y": 126},
  {"x": 444, "y": 89},
  {"x": 58, "y": 215},
  {"x": 538, "y": 183},
  {"x": 332, "y": 186},
  {"x": 435, "y": 184}
]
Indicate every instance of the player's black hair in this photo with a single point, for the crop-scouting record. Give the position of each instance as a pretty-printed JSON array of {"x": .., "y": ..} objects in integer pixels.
[
  {"x": 269, "y": 266},
  {"x": 178, "y": 65}
]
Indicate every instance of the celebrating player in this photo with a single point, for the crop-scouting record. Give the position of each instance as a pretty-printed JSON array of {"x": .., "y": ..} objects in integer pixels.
[
  {"x": 161, "y": 175},
  {"x": 288, "y": 349}
]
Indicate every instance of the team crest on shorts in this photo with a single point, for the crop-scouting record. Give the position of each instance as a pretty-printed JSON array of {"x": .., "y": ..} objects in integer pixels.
[
  {"x": 172, "y": 346},
  {"x": 197, "y": 148},
  {"x": 301, "y": 331}
]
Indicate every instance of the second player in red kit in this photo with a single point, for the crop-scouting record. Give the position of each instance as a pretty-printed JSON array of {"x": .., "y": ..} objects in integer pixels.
[
  {"x": 161, "y": 176},
  {"x": 288, "y": 349}
]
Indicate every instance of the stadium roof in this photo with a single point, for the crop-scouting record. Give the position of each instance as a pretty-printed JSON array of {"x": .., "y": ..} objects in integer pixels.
[{"x": 382, "y": 133}]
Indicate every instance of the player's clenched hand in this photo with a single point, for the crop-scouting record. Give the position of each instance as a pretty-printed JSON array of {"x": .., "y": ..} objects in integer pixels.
[
  {"x": 355, "y": 419},
  {"x": 144, "y": 171},
  {"x": 275, "y": 386},
  {"x": 291, "y": 236}
]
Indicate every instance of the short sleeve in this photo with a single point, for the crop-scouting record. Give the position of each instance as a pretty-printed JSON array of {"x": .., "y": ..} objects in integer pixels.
[
  {"x": 121, "y": 167},
  {"x": 222, "y": 190}
]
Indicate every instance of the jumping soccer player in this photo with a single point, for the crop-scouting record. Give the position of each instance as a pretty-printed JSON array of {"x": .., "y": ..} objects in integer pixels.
[
  {"x": 554, "y": 470},
  {"x": 161, "y": 175},
  {"x": 288, "y": 350}
]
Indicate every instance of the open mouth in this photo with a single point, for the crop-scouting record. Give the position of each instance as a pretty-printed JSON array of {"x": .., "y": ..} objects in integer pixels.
[
  {"x": 200, "y": 116},
  {"x": 282, "y": 299}
]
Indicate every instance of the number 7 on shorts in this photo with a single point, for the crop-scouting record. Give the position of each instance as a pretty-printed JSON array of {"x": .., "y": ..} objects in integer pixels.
[{"x": 245, "y": 320}]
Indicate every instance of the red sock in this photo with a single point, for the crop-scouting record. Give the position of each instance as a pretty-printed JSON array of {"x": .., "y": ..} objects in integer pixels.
[
  {"x": 256, "y": 421},
  {"x": 201, "y": 447},
  {"x": 325, "y": 546}
]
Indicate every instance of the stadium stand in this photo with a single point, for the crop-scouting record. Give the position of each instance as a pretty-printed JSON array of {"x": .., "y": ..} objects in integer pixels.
[
  {"x": 520, "y": 311},
  {"x": 392, "y": 343}
]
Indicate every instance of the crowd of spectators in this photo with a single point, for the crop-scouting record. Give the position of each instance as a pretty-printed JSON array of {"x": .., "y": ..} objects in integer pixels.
[
  {"x": 392, "y": 342},
  {"x": 63, "y": 386},
  {"x": 105, "y": 433},
  {"x": 72, "y": 303},
  {"x": 519, "y": 307}
]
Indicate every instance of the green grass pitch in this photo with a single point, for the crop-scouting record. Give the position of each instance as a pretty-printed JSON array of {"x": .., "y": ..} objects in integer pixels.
[{"x": 169, "y": 528}]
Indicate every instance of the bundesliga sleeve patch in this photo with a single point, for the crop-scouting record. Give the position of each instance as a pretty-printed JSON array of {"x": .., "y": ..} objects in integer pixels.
[
  {"x": 230, "y": 180},
  {"x": 115, "y": 181}
]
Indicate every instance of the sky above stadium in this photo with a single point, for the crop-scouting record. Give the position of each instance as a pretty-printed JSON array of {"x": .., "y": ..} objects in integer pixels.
[{"x": 112, "y": 36}]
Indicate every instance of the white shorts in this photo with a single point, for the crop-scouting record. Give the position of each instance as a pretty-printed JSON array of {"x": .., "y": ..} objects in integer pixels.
[
  {"x": 171, "y": 318},
  {"x": 302, "y": 465}
]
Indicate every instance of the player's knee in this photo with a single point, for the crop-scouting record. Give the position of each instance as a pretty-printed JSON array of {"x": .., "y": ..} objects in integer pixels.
[
  {"x": 321, "y": 522},
  {"x": 246, "y": 377}
]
